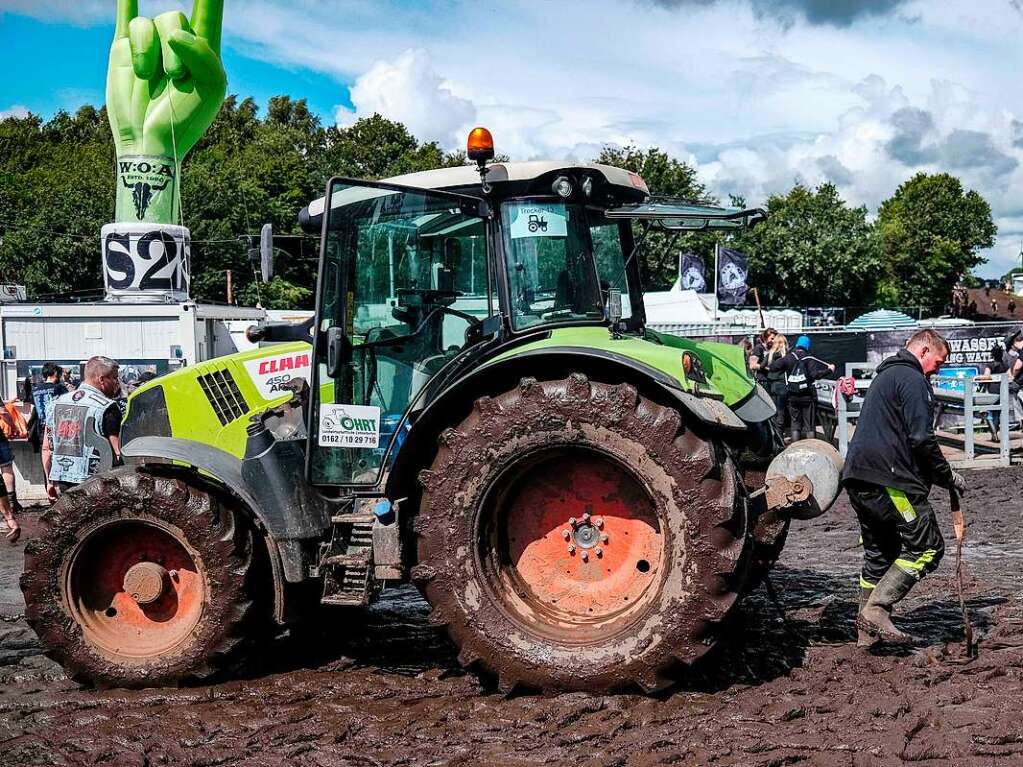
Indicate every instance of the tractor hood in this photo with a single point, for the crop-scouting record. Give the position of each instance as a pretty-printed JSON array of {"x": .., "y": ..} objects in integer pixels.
[{"x": 724, "y": 365}]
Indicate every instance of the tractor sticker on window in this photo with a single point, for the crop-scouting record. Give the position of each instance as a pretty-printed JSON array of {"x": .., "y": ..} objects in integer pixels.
[
  {"x": 271, "y": 375},
  {"x": 349, "y": 426},
  {"x": 534, "y": 220}
]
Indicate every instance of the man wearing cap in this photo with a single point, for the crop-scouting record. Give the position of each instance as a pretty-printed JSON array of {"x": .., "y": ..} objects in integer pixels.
[
  {"x": 893, "y": 460},
  {"x": 801, "y": 370}
]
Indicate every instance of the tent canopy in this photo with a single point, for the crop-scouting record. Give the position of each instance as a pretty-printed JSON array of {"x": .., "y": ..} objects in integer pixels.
[{"x": 883, "y": 319}]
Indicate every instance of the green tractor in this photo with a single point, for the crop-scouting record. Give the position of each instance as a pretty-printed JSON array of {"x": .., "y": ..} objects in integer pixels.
[{"x": 478, "y": 408}]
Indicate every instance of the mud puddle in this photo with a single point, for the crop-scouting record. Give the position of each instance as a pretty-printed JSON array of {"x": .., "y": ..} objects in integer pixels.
[{"x": 385, "y": 689}]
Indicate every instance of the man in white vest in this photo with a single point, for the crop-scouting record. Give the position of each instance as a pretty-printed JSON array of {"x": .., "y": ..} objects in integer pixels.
[{"x": 83, "y": 428}]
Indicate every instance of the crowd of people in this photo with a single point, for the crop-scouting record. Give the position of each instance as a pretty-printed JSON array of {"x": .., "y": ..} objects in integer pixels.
[
  {"x": 789, "y": 375},
  {"x": 75, "y": 426}
]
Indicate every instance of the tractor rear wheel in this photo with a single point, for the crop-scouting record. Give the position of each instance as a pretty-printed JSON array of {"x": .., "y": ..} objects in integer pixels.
[
  {"x": 576, "y": 536},
  {"x": 139, "y": 581}
]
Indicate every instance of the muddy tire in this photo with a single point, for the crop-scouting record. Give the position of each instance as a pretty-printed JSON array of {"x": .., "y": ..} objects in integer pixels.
[
  {"x": 769, "y": 531},
  {"x": 576, "y": 536},
  {"x": 139, "y": 581}
]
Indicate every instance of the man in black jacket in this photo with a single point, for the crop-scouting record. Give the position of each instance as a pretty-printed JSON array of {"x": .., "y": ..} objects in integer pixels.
[
  {"x": 893, "y": 460},
  {"x": 801, "y": 370}
]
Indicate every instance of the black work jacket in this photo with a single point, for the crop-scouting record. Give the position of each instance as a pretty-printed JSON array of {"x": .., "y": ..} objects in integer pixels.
[
  {"x": 813, "y": 368},
  {"x": 894, "y": 443},
  {"x": 760, "y": 352}
]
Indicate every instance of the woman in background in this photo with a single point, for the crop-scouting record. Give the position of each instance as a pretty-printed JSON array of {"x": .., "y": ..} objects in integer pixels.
[{"x": 776, "y": 382}]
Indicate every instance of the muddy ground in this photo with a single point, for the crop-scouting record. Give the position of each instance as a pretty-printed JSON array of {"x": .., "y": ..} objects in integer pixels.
[{"x": 780, "y": 692}]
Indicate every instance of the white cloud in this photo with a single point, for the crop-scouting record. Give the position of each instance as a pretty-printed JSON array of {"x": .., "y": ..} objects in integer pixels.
[
  {"x": 80, "y": 11},
  {"x": 410, "y": 91},
  {"x": 756, "y": 100},
  {"x": 16, "y": 110}
]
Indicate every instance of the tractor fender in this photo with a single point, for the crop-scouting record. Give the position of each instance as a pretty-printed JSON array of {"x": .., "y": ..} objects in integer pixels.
[
  {"x": 288, "y": 513},
  {"x": 454, "y": 403}
]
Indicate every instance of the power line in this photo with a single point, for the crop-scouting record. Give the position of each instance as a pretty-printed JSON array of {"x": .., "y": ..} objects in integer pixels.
[{"x": 237, "y": 240}]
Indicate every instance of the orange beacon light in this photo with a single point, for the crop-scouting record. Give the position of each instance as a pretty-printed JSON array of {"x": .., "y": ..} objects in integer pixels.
[{"x": 480, "y": 146}]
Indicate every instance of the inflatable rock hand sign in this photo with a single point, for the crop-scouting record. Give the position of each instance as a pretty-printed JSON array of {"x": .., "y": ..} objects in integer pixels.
[{"x": 165, "y": 85}]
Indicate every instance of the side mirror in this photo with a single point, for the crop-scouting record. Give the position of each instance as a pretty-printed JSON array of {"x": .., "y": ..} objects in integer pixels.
[{"x": 266, "y": 253}]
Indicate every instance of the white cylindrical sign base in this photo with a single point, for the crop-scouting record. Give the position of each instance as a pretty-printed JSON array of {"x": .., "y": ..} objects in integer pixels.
[{"x": 146, "y": 263}]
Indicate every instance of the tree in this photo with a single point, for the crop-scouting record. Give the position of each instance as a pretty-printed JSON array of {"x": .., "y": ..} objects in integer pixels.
[
  {"x": 57, "y": 191},
  {"x": 931, "y": 231},
  {"x": 813, "y": 249},
  {"x": 666, "y": 177}
]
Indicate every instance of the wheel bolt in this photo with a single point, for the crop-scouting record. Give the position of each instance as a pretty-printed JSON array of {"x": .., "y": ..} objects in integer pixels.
[
  {"x": 585, "y": 556},
  {"x": 565, "y": 534},
  {"x": 599, "y": 521},
  {"x": 571, "y": 549},
  {"x": 174, "y": 573},
  {"x": 572, "y": 521},
  {"x": 603, "y": 539},
  {"x": 599, "y": 551},
  {"x": 586, "y": 516}
]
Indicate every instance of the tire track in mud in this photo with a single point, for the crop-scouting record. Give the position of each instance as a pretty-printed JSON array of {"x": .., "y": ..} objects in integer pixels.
[{"x": 792, "y": 691}]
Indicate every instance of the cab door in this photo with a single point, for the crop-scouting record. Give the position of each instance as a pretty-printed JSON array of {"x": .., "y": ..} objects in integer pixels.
[{"x": 403, "y": 280}]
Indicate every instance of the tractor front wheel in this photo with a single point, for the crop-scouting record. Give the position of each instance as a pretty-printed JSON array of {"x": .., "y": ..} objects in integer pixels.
[
  {"x": 139, "y": 581},
  {"x": 574, "y": 535}
]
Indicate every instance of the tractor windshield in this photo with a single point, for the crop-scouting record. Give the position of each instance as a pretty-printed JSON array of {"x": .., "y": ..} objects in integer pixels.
[
  {"x": 404, "y": 277},
  {"x": 561, "y": 259}
]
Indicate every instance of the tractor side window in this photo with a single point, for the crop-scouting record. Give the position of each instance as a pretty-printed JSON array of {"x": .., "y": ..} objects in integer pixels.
[
  {"x": 550, "y": 265},
  {"x": 405, "y": 277},
  {"x": 607, "y": 252}
]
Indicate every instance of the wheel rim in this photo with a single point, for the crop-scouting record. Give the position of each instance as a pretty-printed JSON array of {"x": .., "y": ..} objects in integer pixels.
[
  {"x": 575, "y": 544},
  {"x": 136, "y": 589}
]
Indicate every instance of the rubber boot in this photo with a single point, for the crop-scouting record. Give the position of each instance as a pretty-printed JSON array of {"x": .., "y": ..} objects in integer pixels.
[
  {"x": 876, "y": 617},
  {"x": 795, "y": 435},
  {"x": 863, "y": 638}
]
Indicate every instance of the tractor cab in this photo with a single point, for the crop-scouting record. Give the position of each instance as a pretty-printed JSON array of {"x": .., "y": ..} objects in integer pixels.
[{"x": 423, "y": 276}]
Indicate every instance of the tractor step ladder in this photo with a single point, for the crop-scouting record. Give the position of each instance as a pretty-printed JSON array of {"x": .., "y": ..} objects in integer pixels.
[{"x": 346, "y": 563}]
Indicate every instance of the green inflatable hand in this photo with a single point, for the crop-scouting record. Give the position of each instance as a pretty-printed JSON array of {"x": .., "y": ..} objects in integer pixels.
[{"x": 165, "y": 85}]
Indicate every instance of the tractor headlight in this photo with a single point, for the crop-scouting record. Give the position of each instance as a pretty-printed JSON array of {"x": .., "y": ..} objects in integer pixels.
[
  {"x": 588, "y": 186},
  {"x": 562, "y": 186}
]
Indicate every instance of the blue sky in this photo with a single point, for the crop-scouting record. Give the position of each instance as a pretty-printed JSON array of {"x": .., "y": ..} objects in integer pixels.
[
  {"x": 50, "y": 84},
  {"x": 755, "y": 93}
]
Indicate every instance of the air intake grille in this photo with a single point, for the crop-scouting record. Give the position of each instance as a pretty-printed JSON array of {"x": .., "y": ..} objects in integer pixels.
[{"x": 225, "y": 398}]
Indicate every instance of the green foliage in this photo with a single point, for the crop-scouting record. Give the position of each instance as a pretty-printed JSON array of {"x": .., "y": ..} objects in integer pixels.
[
  {"x": 57, "y": 191},
  {"x": 665, "y": 177},
  {"x": 276, "y": 294},
  {"x": 813, "y": 250},
  {"x": 931, "y": 231}
]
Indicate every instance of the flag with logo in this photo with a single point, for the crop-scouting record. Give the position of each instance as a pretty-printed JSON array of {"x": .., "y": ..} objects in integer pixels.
[
  {"x": 733, "y": 268},
  {"x": 691, "y": 273}
]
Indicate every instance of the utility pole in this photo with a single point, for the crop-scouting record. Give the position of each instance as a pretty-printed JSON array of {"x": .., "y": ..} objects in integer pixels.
[{"x": 230, "y": 291}]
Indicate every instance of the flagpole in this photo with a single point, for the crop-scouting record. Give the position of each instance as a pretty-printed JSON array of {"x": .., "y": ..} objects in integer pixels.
[
  {"x": 717, "y": 245},
  {"x": 756, "y": 295}
]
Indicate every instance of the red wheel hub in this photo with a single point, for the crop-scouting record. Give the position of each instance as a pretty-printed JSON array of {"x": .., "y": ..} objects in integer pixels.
[
  {"x": 583, "y": 543},
  {"x": 135, "y": 589}
]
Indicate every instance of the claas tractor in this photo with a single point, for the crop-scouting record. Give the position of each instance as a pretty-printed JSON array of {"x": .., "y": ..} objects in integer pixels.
[{"x": 479, "y": 408}]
